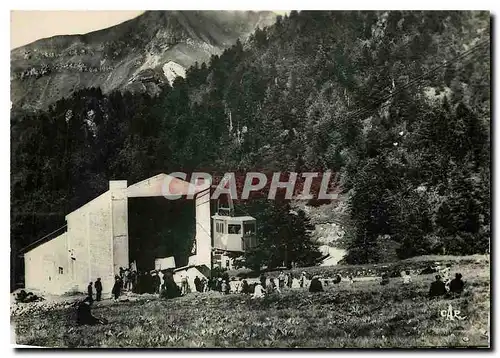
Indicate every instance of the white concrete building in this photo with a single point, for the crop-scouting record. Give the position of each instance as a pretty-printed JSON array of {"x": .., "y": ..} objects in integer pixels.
[{"x": 94, "y": 245}]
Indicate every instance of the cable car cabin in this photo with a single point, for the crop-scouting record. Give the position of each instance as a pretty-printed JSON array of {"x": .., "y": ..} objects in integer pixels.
[{"x": 234, "y": 233}]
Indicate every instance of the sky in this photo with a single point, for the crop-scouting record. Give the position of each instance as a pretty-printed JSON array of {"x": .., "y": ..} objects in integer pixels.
[{"x": 29, "y": 26}]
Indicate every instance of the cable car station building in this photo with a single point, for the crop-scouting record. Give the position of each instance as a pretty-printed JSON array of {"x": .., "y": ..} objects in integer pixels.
[{"x": 95, "y": 243}]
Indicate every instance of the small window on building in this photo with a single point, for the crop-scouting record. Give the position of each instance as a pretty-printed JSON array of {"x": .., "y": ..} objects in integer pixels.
[
  {"x": 61, "y": 271},
  {"x": 219, "y": 227},
  {"x": 227, "y": 263},
  {"x": 234, "y": 229}
]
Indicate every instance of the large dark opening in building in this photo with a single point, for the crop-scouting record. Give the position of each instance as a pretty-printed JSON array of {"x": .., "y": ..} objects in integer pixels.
[{"x": 160, "y": 228}]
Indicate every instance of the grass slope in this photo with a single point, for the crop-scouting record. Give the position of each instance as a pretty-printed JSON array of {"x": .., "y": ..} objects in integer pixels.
[{"x": 362, "y": 315}]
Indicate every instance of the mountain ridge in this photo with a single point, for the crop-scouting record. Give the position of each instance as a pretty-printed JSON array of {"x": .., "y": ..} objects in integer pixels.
[{"x": 49, "y": 69}]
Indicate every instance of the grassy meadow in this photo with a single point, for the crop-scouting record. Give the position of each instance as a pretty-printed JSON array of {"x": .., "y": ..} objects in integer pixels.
[{"x": 360, "y": 315}]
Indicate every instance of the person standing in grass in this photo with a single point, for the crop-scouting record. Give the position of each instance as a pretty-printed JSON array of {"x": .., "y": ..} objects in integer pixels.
[
  {"x": 204, "y": 285},
  {"x": 121, "y": 274},
  {"x": 234, "y": 285},
  {"x": 90, "y": 292},
  {"x": 161, "y": 275},
  {"x": 197, "y": 284},
  {"x": 126, "y": 278},
  {"x": 272, "y": 286},
  {"x": 130, "y": 279},
  {"x": 98, "y": 289},
  {"x": 385, "y": 279},
  {"x": 212, "y": 284},
  {"x": 156, "y": 282},
  {"x": 224, "y": 287},
  {"x": 437, "y": 288},
  {"x": 281, "y": 279},
  {"x": 302, "y": 279},
  {"x": 184, "y": 285},
  {"x": 245, "y": 288},
  {"x": 269, "y": 287},
  {"x": 117, "y": 288}
]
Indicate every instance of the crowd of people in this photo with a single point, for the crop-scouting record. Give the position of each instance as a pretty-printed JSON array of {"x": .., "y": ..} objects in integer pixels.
[
  {"x": 266, "y": 285},
  {"x": 129, "y": 280},
  {"x": 156, "y": 282},
  {"x": 141, "y": 281},
  {"x": 443, "y": 284},
  {"x": 163, "y": 283}
]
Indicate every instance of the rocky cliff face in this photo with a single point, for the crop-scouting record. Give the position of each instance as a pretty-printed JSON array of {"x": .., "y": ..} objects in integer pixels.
[{"x": 138, "y": 55}]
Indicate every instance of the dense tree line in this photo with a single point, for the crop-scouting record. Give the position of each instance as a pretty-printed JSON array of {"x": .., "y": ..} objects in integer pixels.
[{"x": 317, "y": 91}]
